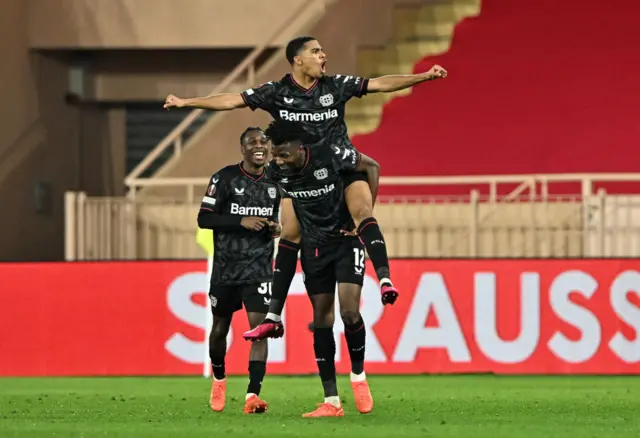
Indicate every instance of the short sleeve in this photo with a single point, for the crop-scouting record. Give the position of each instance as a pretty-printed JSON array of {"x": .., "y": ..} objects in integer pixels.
[
  {"x": 260, "y": 96},
  {"x": 350, "y": 86},
  {"x": 345, "y": 158}
]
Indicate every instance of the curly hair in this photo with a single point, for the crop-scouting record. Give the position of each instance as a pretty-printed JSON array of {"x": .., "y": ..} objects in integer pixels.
[
  {"x": 282, "y": 131},
  {"x": 248, "y": 130}
]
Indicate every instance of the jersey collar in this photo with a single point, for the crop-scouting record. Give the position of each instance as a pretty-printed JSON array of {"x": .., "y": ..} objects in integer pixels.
[
  {"x": 300, "y": 87},
  {"x": 253, "y": 177}
]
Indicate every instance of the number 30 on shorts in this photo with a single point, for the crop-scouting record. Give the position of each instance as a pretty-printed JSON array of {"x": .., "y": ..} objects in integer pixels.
[{"x": 265, "y": 289}]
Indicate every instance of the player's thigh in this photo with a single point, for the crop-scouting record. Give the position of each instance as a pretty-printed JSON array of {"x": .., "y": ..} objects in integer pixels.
[
  {"x": 256, "y": 298},
  {"x": 225, "y": 300},
  {"x": 358, "y": 198},
  {"x": 320, "y": 282},
  {"x": 350, "y": 270},
  {"x": 289, "y": 221}
]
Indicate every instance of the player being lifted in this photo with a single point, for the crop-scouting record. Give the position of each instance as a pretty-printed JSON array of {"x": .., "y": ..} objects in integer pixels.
[
  {"x": 317, "y": 102},
  {"x": 311, "y": 180},
  {"x": 241, "y": 208}
]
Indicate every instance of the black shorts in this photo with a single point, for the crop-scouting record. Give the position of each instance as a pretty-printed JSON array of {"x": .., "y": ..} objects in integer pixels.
[
  {"x": 340, "y": 261},
  {"x": 225, "y": 300}
]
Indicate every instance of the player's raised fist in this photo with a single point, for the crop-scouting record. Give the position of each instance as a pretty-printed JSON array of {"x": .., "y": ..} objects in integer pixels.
[
  {"x": 437, "y": 72},
  {"x": 173, "y": 102}
]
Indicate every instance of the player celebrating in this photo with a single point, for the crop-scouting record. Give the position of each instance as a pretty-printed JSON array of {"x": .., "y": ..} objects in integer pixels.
[
  {"x": 310, "y": 178},
  {"x": 240, "y": 206},
  {"x": 317, "y": 102}
]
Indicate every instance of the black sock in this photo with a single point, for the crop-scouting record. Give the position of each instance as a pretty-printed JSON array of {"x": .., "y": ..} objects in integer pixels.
[
  {"x": 356, "y": 336},
  {"x": 324, "y": 346},
  {"x": 218, "y": 368},
  {"x": 257, "y": 370},
  {"x": 283, "y": 273},
  {"x": 371, "y": 236}
]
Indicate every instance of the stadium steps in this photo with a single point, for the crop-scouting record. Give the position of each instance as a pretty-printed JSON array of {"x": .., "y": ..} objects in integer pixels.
[
  {"x": 147, "y": 124},
  {"x": 418, "y": 32}
]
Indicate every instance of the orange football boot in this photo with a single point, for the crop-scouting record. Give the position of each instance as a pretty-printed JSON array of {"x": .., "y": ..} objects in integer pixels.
[
  {"x": 218, "y": 394},
  {"x": 362, "y": 396},
  {"x": 253, "y": 405},
  {"x": 325, "y": 410}
]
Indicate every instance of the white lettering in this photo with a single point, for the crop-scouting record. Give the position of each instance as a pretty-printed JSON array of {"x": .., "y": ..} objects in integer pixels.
[
  {"x": 432, "y": 294},
  {"x": 486, "y": 322},
  {"x": 581, "y": 318},
  {"x": 182, "y": 306},
  {"x": 251, "y": 211},
  {"x": 309, "y": 117},
  {"x": 311, "y": 193},
  {"x": 626, "y": 349}
]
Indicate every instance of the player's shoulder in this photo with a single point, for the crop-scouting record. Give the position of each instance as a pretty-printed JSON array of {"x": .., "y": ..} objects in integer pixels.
[{"x": 227, "y": 172}]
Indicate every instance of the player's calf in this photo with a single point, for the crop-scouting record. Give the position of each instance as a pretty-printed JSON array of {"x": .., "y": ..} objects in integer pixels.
[
  {"x": 217, "y": 353},
  {"x": 355, "y": 334},
  {"x": 324, "y": 347}
]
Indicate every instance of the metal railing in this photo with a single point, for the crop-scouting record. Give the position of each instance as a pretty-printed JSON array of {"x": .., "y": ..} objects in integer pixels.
[
  {"x": 305, "y": 13},
  {"x": 515, "y": 224}
]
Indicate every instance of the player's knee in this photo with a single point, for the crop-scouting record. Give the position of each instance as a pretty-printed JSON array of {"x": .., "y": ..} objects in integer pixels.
[
  {"x": 350, "y": 317},
  {"x": 219, "y": 331},
  {"x": 323, "y": 319},
  {"x": 360, "y": 212},
  {"x": 292, "y": 234}
]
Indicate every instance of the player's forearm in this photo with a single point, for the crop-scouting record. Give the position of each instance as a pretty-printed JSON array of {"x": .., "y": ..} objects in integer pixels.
[
  {"x": 216, "y": 102},
  {"x": 390, "y": 83},
  {"x": 208, "y": 220},
  {"x": 372, "y": 169}
]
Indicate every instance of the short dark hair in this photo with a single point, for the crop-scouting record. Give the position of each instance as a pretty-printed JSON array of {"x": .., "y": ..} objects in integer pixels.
[
  {"x": 295, "y": 45},
  {"x": 282, "y": 131},
  {"x": 248, "y": 130}
]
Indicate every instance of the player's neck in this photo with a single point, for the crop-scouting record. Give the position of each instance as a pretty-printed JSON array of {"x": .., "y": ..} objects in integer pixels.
[
  {"x": 302, "y": 79},
  {"x": 251, "y": 169}
]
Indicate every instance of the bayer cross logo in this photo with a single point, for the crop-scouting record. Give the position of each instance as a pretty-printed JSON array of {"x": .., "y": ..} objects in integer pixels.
[
  {"x": 214, "y": 300},
  {"x": 272, "y": 192},
  {"x": 321, "y": 173},
  {"x": 326, "y": 100}
]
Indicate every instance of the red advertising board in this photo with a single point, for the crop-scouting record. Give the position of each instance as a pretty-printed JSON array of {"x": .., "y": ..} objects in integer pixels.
[{"x": 460, "y": 316}]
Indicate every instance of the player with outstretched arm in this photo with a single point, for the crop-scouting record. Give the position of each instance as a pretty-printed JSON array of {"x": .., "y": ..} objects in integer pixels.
[{"x": 309, "y": 97}]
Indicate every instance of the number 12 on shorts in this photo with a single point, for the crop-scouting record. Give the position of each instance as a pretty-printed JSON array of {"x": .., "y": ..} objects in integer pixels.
[
  {"x": 358, "y": 262},
  {"x": 265, "y": 289}
]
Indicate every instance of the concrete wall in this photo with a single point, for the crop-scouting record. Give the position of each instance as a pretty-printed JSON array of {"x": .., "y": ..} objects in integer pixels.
[
  {"x": 47, "y": 146},
  {"x": 70, "y": 24}
]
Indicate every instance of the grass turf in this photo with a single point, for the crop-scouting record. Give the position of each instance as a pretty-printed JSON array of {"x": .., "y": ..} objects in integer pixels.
[{"x": 424, "y": 406}]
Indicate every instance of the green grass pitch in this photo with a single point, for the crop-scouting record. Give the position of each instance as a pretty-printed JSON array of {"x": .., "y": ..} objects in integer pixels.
[{"x": 420, "y": 406}]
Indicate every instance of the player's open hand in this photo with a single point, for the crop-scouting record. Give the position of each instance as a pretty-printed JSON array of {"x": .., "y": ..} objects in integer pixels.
[
  {"x": 173, "y": 102},
  {"x": 253, "y": 223},
  {"x": 437, "y": 72},
  {"x": 275, "y": 228}
]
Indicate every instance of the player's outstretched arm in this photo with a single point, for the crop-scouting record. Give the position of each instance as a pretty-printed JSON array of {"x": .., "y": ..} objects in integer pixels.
[
  {"x": 216, "y": 102},
  {"x": 372, "y": 169},
  {"x": 390, "y": 83}
]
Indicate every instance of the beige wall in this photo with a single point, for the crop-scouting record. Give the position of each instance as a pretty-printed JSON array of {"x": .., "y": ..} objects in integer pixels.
[
  {"x": 129, "y": 75},
  {"x": 154, "y": 23},
  {"x": 44, "y": 139}
]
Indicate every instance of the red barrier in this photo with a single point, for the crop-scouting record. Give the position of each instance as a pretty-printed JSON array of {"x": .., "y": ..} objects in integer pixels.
[{"x": 502, "y": 316}]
